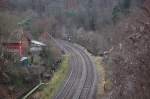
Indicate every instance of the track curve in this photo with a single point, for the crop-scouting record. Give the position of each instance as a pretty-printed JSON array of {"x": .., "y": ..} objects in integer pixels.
[{"x": 81, "y": 80}]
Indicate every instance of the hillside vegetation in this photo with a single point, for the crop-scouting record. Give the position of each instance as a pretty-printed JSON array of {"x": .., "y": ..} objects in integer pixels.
[
  {"x": 116, "y": 30},
  {"x": 129, "y": 61}
]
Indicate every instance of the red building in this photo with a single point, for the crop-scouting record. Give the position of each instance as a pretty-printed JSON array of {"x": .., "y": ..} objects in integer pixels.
[
  {"x": 19, "y": 46},
  {"x": 14, "y": 47}
]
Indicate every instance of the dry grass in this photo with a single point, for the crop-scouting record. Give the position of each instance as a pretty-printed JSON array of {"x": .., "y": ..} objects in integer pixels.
[{"x": 104, "y": 84}]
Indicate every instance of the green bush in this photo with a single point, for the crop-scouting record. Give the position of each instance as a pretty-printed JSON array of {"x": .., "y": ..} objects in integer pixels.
[
  {"x": 125, "y": 4},
  {"x": 121, "y": 9},
  {"x": 115, "y": 13},
  {"x": 46, "y": 55},
  {"x": 16, "y": 79}
]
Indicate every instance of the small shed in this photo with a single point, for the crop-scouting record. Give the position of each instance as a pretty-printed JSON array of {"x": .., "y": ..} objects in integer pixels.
[{"x": 24, "y": 61}]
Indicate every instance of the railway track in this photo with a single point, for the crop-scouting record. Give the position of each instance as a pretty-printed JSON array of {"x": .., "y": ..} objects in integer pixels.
[{"x": 81, "y": 80}]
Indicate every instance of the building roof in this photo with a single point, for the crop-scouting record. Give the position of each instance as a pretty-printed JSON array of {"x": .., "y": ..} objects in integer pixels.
[
  {"x": 23, "y": 58},
  {"x": 37, "y": 43}
]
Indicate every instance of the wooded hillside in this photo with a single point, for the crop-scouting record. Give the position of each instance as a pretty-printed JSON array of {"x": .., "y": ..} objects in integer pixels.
[{"x": 117, "y": 30}]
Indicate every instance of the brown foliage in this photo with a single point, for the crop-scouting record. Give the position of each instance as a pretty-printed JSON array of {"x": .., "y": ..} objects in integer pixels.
[
  {"x": 130, "y": 65},
  {"x": 3, "y": 4}
]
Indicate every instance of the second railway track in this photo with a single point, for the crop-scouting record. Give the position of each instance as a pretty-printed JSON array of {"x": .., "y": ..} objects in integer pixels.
[{"x": 81, "y": 80}]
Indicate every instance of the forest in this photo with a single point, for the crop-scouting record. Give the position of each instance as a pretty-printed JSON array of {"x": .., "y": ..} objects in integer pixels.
[{"x": 116, "y": 30}]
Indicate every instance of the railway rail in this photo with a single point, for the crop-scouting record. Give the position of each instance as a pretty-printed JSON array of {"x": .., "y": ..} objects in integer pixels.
[{"x": 81, "y": 80}]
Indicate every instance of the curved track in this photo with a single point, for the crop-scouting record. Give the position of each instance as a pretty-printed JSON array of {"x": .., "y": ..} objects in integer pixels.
[{"x": 81, "y": 80}]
